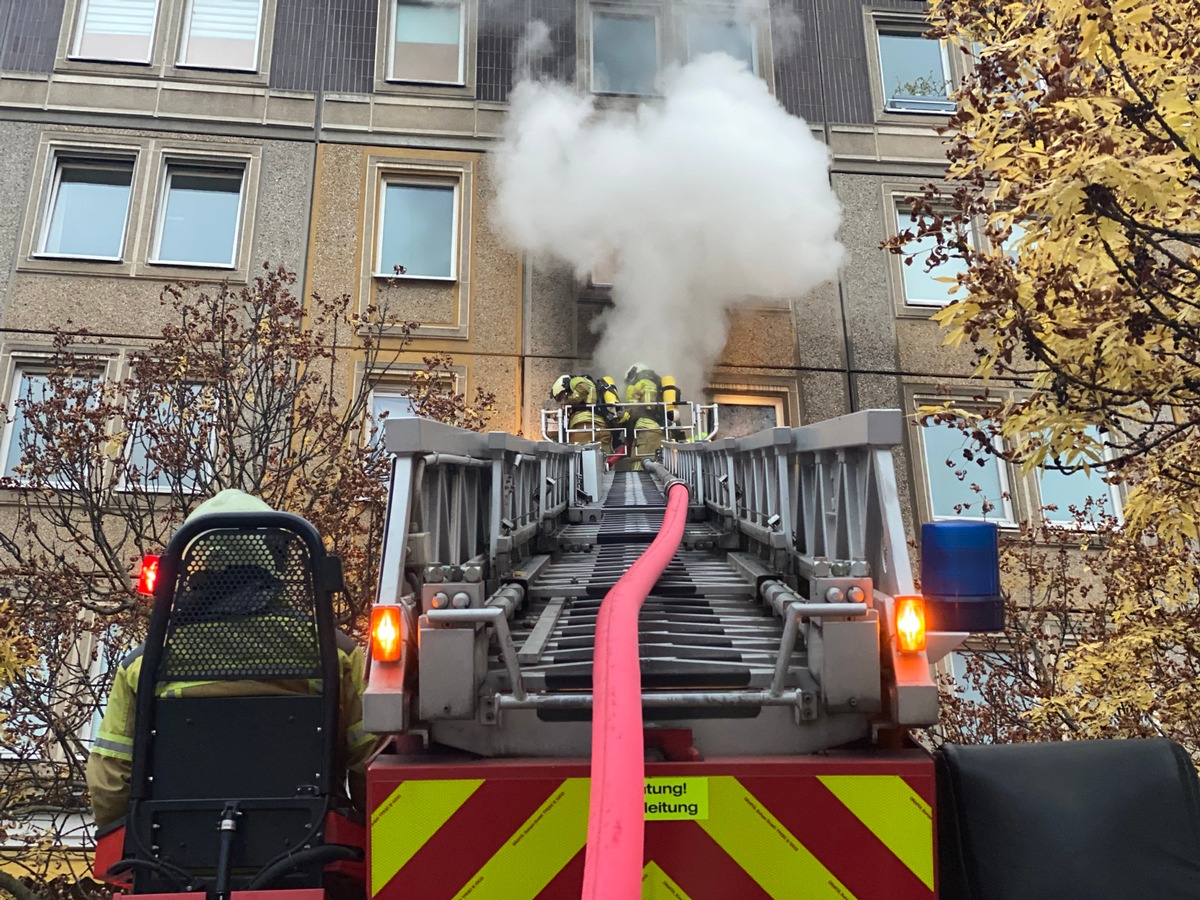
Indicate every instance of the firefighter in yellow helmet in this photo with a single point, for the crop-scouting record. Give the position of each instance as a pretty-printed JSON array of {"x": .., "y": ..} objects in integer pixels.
[
  {"x": 111, "y": 759},
  {"x": 585, "y": 422},
  {"x": 643, "y": 387}
]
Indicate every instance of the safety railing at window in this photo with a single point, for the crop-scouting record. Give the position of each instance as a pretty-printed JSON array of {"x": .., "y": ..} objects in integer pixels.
[{"x": 686, "y": 422}]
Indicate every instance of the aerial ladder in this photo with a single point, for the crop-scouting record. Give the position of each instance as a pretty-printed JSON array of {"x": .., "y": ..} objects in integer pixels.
[{"x": 731, "y": 641}]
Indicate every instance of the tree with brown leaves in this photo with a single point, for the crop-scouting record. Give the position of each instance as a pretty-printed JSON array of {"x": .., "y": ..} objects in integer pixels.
[{"x": 248, "y": 387}]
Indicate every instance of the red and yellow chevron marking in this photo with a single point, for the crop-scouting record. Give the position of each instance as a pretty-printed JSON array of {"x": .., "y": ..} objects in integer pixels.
[{"x": 850, "y": 829}]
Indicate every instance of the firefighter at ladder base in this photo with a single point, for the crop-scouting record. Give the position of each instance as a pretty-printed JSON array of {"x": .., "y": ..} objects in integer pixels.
[
  {"x": 585, "y": 423},
  {"x": 649, "y": 417},
  {"x": 110, "y": 762}
]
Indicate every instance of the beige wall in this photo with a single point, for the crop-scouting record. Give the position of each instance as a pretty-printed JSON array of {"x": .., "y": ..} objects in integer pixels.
[{"x": 477, "y": 318}]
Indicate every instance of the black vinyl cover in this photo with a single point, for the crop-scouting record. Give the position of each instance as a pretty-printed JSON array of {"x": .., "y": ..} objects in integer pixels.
[{"x": 1078, "y": 820}]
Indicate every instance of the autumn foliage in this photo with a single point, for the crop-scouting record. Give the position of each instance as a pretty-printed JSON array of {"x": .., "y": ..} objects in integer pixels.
[
  {"x": 250, "y": 387},
  {"x": 1074, "y": 154}
]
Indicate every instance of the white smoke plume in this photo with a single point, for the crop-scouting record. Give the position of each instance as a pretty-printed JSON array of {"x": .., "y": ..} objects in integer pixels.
[{"x": 709, "y": 197}]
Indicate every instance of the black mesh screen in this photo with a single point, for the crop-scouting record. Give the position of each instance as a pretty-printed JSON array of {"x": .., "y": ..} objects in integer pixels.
[{"x": 244, "y": 608}]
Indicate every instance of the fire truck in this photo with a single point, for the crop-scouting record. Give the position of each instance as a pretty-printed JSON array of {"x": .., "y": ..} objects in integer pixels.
[{"x": 698, "y": 680}]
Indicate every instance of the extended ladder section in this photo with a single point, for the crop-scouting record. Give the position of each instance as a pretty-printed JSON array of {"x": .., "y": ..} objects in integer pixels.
[{"x": 770, "y": 631}]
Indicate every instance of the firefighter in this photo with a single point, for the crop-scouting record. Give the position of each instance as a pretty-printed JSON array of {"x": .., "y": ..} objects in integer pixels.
[
  {"x": 110, "y": 762},
  {"x": 616, "y": 415},
  {"x": 642, "y": 387},
  {"x": 585, "y": 424}
]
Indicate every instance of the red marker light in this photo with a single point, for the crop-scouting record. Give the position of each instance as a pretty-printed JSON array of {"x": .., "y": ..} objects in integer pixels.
[
  {"x": 148, "y": 576},
  {"x": 385, "y": 633}
]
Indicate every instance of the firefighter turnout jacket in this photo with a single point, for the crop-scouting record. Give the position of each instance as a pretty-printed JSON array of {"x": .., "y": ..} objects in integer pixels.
[
  {"x": 646, "y": 389},
  {"x": 586, "y": 420}
]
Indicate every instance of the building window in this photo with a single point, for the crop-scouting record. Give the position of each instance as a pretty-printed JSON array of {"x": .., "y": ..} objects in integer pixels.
[
  {"x": 389, "y": 403},
  {"x": 916, "y": 73},
  {"x": 427, "y": 43},
  {"x": 172, "y": 441},
  {"x": 624, "y": 53},
  {"x": 603, "y": 274},
  {"x": 741, "y": 415},
  {"x": 221, "y": 34},
  {"x": 115, "y": 30},
  {"x": 965, "y": 481},
  {"x": 33, "y": 413},
  {"x": 418, "y": 229},
  {"x": 198, "y": 216},
  {"x": 28, "y": 387},
  {"x": 715, "y": 34},
  {"x": 88, "y": 209},
  {"x": 392, "y": 404},
  {"x": 921, "y": 285},
  {"x": 1063, "y": 490}
]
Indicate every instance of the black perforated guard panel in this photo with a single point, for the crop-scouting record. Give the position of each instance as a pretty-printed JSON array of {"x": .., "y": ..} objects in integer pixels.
[
  {"x": 243, "y": 608},
  {"x": 170, "y": 572},
  {"x": 1077, "y": 820}
]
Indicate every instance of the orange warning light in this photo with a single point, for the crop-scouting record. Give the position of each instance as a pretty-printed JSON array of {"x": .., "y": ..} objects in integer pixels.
[
  {"x": 910, "y": 624},
  {"x": 385, "y": 633},
  {"x": 148, "y": 576}
]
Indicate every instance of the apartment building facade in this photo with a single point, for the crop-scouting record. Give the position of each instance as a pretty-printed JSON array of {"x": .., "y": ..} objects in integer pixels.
[{"x": 149, "y": 140}]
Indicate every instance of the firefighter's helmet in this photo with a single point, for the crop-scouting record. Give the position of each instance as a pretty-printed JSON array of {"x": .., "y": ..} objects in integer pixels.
[
  {"x": 221, "y": 550},
  {"x": 632, "y": 372},
  {"x": 561, "y": 387}
]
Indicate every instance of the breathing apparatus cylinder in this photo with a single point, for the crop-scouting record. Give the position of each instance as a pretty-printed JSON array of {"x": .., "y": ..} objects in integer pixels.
[
  {"x": 610, "y": 399},
  {"x": 670, "y": 391}
]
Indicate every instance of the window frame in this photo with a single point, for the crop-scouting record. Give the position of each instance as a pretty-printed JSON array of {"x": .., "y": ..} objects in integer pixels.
[
  {"x": 1006, "y": 513},
  {"x": 165, "y": 49},
  {"x": 415, "y": 180},
  {"x": 897, "y": 218},
  {"x": 390, "y": 43},
  {"x": 61, "y": 156},
  {"x": 895, "y": 22},
  {"x": 397, "y": 378},
  {"x": 641, "y": 11},
  {"x": 34, "y": 363},
  {"x": 123, "y": 483},
  {"x": 17, "y": 371},
  {"x": 150, "y": 155},
  {"x": 393, "y": 387},
  {"x": 1115, "y": 506},
  {"x": 387, "y": 89},
  {"x": 182, "y": 37},
  {"x": 77, "y": 21},
  {"x": 738, "y": 15},
  {"x": 773, "y": 392},
  {"x": 776, "y": 402},
  {"x": 169, "y": 160}
]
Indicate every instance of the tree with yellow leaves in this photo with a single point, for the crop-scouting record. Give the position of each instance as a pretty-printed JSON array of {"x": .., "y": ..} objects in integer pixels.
[{"x": 1075, "y": 148}]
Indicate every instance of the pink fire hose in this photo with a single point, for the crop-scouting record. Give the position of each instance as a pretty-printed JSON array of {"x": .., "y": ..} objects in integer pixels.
[{"x": 616, "y": 812}]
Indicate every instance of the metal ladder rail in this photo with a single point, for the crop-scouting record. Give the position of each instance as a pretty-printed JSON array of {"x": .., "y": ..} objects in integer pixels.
[{"x": 820, "y": 505}]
